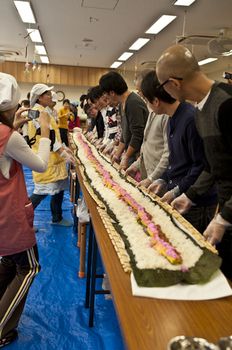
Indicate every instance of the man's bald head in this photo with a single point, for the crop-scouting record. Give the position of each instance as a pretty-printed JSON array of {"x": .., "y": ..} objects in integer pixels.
[{"x": 177, "y": 61}]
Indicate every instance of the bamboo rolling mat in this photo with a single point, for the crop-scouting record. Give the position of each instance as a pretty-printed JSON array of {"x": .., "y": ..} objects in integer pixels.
[{"x": 110, "y": 229}]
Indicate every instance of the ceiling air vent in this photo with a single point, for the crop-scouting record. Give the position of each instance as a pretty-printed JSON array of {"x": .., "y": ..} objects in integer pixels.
[{"x": 9, "y": 53}]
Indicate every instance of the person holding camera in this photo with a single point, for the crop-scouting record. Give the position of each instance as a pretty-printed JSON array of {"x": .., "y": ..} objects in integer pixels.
[
  {"x": 19, "y": 261},
  {"x": 54, "y": 180}
]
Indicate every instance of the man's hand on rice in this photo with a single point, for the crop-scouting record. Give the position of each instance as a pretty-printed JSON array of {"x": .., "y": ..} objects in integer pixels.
[
  {"x": 96, "y": 142},
  {"x": 215, "y": 230},
  {"x": 67, "y": 149},
  {"x": 182, "y": 204},
  {"x": 114, "y": 157},
  {"x": 155, "y": 187},
  {"x": 68, "y": 158},
  {"x": 109, "y": 148},
  {"x": 145, "y": 183},
  {"x": 168, "y": 197},
  {"x": 102, "y": 147},
  {"x": 98, "y": 146},
  {"x": 131, "y": 171},
  {"x": 124, "y": 164}
]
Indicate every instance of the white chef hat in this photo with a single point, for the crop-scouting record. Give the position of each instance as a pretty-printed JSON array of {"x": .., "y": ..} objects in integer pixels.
[
  {"x": 37, "y": 90},
  {"x": 9, "y": 92},
  {"x": 54, "y": 97}
]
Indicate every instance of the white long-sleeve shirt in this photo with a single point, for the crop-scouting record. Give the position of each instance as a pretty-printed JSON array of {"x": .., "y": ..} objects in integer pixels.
[{"x": 17, "y": 148}]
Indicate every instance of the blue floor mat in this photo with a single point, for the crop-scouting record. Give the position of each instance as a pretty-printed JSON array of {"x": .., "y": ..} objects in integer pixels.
[{"x": 54, "y": 316}]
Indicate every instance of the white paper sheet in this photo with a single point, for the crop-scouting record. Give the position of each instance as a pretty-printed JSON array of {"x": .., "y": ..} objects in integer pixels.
[{"x": 217, "y": 287}]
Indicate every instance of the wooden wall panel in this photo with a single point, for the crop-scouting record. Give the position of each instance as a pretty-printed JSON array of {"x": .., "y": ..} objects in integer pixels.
[
  {"x": 101, "y": 72},
  {"x": 21, "y": 76},
  {"x": 71, "y": 75},
  {"x": 82, "y": 76},
  {"x": 54, "y": 74},
  {"x": 64, "y": 75},
  {"x": 9, "y": 68},
  {"x": 39, "y": 75},
  {"x": 92, "y": 77},
  {"x": 95, "y": 74}
]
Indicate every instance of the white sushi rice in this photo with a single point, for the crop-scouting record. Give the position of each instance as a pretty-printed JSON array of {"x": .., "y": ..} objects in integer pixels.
[{"x": 145, "y": 256}]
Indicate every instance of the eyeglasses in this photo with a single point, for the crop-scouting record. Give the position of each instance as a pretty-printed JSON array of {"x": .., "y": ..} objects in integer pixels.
[{"x": 166, "y": 81}]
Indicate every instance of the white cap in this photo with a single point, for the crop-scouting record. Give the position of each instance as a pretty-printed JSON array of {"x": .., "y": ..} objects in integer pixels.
[
  {"x": 38, "y": 90},
  {"x": 54, "y": 97},
  {"x": 9, "y": 92}
]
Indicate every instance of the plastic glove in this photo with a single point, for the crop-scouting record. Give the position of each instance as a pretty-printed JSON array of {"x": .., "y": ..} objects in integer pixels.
[
  {"x": 69, "y": 158},
  {"x": 109, "y": 148},
  {"x": 214, "y": 232},
  {"x": 145, "y": 183},
  {"x": 96, "y": 142},
  {"x": 182, "y": 204},
  {"x": 124, "y": 164},
  {"x": 131, "y": 171},
  {"x": 68, "y": 150},
  {"x": 114, "y": 159},
  {"x": 113, "y": 153},
  {"x": 155, "y": 187},
  {"x": 168, "y": 197},
  {"x": 98, "y": 147},
  {"x": 103, "y": 146}
]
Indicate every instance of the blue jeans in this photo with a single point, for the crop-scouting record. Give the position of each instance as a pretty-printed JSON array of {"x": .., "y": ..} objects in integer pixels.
[{"x": 55, "y": 204}]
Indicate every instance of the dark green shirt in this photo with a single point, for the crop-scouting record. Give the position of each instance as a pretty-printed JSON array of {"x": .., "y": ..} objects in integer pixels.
[{"x": 134, "y": 118}]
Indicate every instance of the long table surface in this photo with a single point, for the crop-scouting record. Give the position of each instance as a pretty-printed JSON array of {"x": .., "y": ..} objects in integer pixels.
[{"x": 148, "y": 323}]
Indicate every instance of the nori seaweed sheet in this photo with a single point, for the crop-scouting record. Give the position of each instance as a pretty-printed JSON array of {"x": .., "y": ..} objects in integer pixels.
[{"x": 205, "y": 267}]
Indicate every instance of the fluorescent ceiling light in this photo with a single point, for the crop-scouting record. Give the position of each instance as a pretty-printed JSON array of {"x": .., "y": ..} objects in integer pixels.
[
  {"x": 207, "y": 60},
  {"x": 115, "y": 64},
  {"x": 35, "y": 35},
  {"x": 44, "y": 59},
  {"x": 184, "y": 2},
  {"x": 160, "y": 24},
  {"x": 125, "y": 56},
  {"x": 138, "y": 44},
  {"x": 25, "y": 11},
  {"x": 227, "y": 53},
  {"x": 40, "y": 49}
]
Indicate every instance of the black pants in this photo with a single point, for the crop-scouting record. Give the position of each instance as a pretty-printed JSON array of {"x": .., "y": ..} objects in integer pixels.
[
  {"x": 200, "y": 217},
  {"x": 64, "y": 135},
  {"x": 225, "y": 252},
  {"x": 55, "y": 204},
  {"x": 17, "y": 272}
]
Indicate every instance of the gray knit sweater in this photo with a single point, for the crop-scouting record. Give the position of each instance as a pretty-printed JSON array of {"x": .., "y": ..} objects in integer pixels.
[{"x": 214, "y": 124}]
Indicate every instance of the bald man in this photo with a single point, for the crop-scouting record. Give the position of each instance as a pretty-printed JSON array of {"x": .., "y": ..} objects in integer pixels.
[{"x": 180, "y": 75}]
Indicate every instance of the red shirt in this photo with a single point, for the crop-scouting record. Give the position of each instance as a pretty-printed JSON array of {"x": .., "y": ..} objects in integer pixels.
[{"x": 16, "y": 219}]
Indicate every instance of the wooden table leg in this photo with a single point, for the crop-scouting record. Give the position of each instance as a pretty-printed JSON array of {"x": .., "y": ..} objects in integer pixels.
[{"x": 83, "y": 233}]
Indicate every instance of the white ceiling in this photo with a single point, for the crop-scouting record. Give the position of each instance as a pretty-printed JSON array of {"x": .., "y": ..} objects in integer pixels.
[{"x": 65, "y": 23}]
